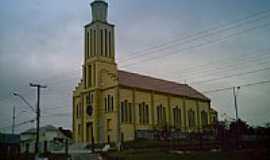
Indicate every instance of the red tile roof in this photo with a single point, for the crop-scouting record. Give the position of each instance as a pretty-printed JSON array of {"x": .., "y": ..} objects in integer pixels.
[{"x": 135, "y": 80}]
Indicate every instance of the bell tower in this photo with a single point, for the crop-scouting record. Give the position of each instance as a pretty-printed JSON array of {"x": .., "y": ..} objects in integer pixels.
[
  {"x": 99, "y": 70},
  {"x": 99, "y": 44}
]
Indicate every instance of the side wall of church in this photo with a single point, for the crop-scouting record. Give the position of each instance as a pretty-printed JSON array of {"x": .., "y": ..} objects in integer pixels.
[{"x": 156, "y": 119}]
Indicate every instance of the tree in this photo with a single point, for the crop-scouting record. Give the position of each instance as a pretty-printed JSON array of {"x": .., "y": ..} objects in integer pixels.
[{"x": 239, "y": 127}]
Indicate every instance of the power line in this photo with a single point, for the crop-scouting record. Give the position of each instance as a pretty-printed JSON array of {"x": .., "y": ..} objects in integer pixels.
[
  {"x": 242, "y": 85},
  {"x": 20, "y": 124},
  {"x": 209, "y": 34},
  {"x": 254, "y": 58},
  {"x": 207, "y": 31},
  {"x": 200, "y": 45},
  {"x": 230, "y": 76},
  {"x": 218, "y": 61},
  {"x": 57, "y": 115},
  {"x": 224, "y": 70},
  {"x": 232, "y": 66}
]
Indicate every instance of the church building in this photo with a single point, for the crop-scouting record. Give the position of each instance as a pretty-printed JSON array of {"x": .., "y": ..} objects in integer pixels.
[{"x": 111, "y": 105}]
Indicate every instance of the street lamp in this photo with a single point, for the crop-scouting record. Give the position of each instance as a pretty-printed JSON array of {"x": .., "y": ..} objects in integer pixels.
[{"x": 25, "y": 101}]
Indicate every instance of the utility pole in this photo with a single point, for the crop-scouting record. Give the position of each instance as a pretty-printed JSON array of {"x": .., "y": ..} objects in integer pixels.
[
  {"x": 13, "y": 120},
  {"x": 38, "y": 86},
  {"x": 235, "y": 89}
]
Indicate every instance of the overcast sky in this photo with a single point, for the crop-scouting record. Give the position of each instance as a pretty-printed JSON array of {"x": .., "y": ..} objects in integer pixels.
[{"x": 189, "y": 41}]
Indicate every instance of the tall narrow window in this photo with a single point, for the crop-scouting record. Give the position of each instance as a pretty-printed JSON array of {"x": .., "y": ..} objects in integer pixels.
[
  {"x": 105, "y": 104},
  {"x": 158, "y": 114},
  {"x": 101, "y": 43},
  {"x": 84, "y": 76},
  {"x": 147, "y": 114},
  {"x": 112, "y": 104},
  {"x": 106, "y": 43},
  {"x": 86, "y": 44},
  {"x": 161, "y": 114},
  {"x": 122, "y": 112},
  {"x": 130, "y": 113},
  {"x": 191, "y": 118},
  {"x": 140, "y": 114},
  {"x": 95, "y": 43},
  {"x": 108, "y": 103},
  {"x": 164, "y": 115},
  {"x": 77, "y": 110},
  {"x": 110, "y": 44},
  {"x": 144, "y": 113},
  {"x": 91, "y": 43},
  {"x": 94, "y": 74},
  {"x": 126, "y": 111},
  {"x": 204, "y": 119},
  {"x": 177, "y": 117},
  {"x": 89, "y": 76}
]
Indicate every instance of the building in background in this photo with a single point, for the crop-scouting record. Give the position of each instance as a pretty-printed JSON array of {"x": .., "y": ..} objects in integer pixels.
[
  {"x": 110, "y": 105},
  {"x": 51, "y": 139},
  {"x": 213, "y": 116},
  {"x": 9, "y": 146}
]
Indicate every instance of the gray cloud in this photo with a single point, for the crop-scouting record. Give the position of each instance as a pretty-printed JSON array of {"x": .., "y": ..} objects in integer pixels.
[{"x": 43, "y": 41}]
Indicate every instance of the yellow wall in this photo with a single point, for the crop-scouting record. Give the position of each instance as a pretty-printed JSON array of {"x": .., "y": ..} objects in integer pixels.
[
  {"x": 128, "y": 130},
  {"x": 140, "y": 97},
  {"x": 135, "y": 96},
  {"x": 110, "y": 115},
  {"x": 177, "y": 101}
]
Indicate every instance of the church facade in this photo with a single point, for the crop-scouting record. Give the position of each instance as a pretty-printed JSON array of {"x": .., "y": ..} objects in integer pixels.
[{"x": 110, "y": 105}]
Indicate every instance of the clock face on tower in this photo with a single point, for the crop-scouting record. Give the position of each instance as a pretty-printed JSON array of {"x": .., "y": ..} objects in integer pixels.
[{"x": 89, "y": 110}]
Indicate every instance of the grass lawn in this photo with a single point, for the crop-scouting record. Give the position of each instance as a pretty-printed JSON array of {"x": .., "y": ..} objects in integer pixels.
[{"x": 162, "y": 155}]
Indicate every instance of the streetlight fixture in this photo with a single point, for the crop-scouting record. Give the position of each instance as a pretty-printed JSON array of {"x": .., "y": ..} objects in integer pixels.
[{"x": 24, "y": 100}]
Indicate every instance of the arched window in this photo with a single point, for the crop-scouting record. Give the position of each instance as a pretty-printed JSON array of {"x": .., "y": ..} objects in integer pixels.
[
  {"x": 161, "y": 114},
  {"x": 191, "y": 118},
  {"x": 105, "y": 104},
  {"x": 204, "y": 118},
  {"x": 126, "y": 112},
  {"x": 143, "y": 113},
  {"x": 177, "y": 117}
]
